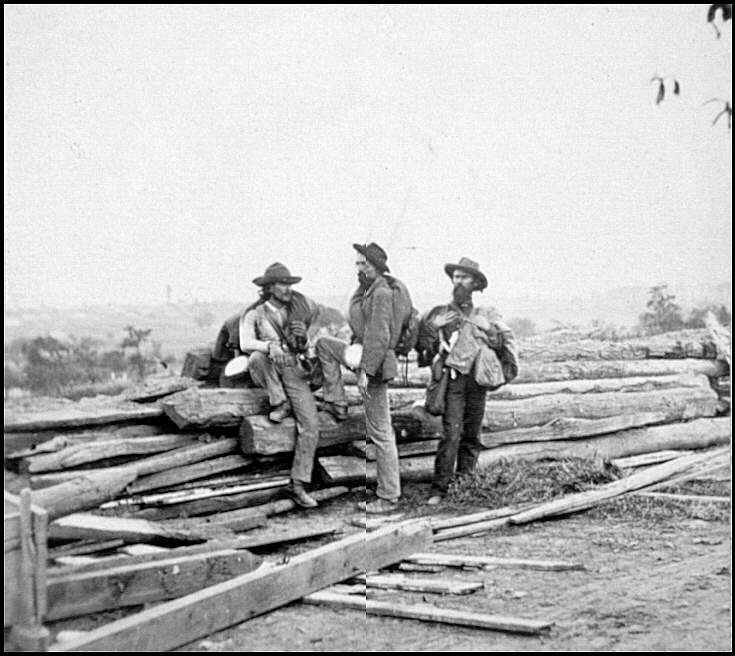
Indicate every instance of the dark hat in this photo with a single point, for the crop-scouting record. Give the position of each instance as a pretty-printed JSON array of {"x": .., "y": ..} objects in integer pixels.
[
  {"x": 374, "y": 254},
  {"x": 276, "y": 272},
  {"x": 468, "y": 266}
]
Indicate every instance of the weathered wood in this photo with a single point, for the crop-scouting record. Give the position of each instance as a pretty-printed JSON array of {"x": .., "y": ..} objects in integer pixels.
[
  {"x": 482, "y": 516},
  {"x": 461, "y": 560},
  {"x": 562, "y": 416},
  {"x": 542, "y": 372},
  {"x": 696, "y": 434},
  {"x": 73, "y": 594},
  {"x": 187, "y": 473},
  {"x": 650, "y": 476},
  {"x": 681, "y": 344},
  {"x": 343, "y": 469},
  {"x": 477, "y": 528},
  {"x": 83, "y": 547},
  {"x": 690, "y": 498},
  {"x": 648, "y": 458},
  {"x": 223, "y": 502},
  {"x": 428, "y": 613},
  {"x": 75, "y": 415},
  {"x": 214, "y": 608},
  {"x": 235, "y": 519},
  {"x": 416, "y": 584},
  {"x": 260, "y": 436},
  {"x": 86, "y": 526},
  {"x": 84, "y": 492},
  {"x": 195, "y": 409},
  {"x": 74, "y": 456},
  {"x": 156, "y": 388},
  {"x": 407, "y": 450}
]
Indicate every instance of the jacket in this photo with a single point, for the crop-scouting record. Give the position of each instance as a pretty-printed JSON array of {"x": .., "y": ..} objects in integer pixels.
[
  {"x": 257, "y": 331},
  {"x": 227, "y": 345},
  {"x": 482, "y": 326},
  {"x": 372, "y": 321}
]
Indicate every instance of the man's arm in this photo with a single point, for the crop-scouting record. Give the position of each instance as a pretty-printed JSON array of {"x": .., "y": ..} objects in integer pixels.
[{"x": 249, "y": 341}]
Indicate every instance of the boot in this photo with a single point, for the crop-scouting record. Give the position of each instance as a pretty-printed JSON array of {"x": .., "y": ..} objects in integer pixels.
[
  {"x": 279, "y": 413},
  {"x": 295, "y": 490},
  {"x": 338, "y": 411}
]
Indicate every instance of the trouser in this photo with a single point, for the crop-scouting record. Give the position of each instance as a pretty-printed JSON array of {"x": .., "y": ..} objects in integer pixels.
[
  {"x": 463, "y": 412},
  {"x": 289, "y": 383},
  {"x": 378, "y": 426}
]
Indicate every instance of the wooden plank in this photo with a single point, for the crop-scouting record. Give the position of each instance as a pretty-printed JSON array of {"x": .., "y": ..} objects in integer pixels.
[
  {"x": 478, "y": 528},
  {"x": 482, "y": 516},
  {"x": 417, "y": 584},
  {"x": 186, "y": 473},
  {"x": 196, "y": 409},
  {"x": 423, "y": 447},
  {"x": 82, "y": 547},
  {"x": 156, "y": 388},
  {"x": 79, "y": 414},
  {"x": 175, "y": 623},
  {"x": 692, "y": 498},
  {"x": 650, "y": 476},
  {"x": 85, "y": 526},
  {"x": 74, "y": 456},
  {"x": 234, "y": 519},
  {"x": 461, "y": 560},
  {"x": 343, "y": 469},
  {"x": 429, "y": 613},
  {"x": 646, "y": 459},
  {"x": 74, "y": 594},
  {"x": 85, "y": 491}
]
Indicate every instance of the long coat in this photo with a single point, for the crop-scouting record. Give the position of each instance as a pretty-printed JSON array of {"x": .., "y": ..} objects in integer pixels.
[{"x": 372, "y": 321}]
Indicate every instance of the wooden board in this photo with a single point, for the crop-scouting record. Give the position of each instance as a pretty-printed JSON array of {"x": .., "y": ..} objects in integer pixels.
[
  {"x": 71, "y": 594},
  {"x": 78, "y": 415},
  {"x": 429, "y": 613},
  {"x": 196, "y": 409},
  {"x": 461, "y": 560},
  {"x": 175, "y": 623},
  {"x": 417, "y": 584}
]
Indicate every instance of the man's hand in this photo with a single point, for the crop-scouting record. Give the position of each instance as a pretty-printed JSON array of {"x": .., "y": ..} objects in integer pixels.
[
  {"x": 298, "y": 328},
  {"x": 276, "y": 354},
  {"x": 362, "y": 383}
]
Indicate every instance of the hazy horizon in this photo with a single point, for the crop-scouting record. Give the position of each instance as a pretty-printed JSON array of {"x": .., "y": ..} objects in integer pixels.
[{"x": 157, "y": 152}]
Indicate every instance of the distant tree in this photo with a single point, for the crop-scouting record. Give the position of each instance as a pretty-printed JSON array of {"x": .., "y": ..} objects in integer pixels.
[
  {"x": 522, "y": 327},
  {"x": 137, "y": 339},
  {"x": 663, "y": 314},
  {"x": 697, "y": 316}
]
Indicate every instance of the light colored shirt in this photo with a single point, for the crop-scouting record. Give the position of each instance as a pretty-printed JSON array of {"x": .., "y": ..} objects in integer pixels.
[{"x": 256, "y": 331}]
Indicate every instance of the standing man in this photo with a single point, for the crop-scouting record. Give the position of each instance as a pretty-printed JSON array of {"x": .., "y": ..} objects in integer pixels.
[
  {"x": 464, "y": 337},
  {"x": 273, "y": 332},
  {"x": 375, "y": 330}
]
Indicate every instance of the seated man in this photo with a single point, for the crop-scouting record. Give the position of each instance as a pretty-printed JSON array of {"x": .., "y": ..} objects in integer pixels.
[
  {"x": 225, "y": 349},
  {"x": 273, "y": 333}
]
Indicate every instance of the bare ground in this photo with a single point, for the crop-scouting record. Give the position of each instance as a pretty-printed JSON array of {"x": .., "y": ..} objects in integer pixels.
[{"x": 650, "y": 584}]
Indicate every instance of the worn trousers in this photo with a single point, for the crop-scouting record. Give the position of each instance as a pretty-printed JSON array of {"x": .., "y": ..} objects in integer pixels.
[
  {"x": 460, "y": 444},
  {"x": 331, "y": 353},
  {"x": 289, "y": 383}
]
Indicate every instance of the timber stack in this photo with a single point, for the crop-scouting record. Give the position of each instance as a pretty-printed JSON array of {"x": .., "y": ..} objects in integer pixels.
[{"x": 172, "y": 466}]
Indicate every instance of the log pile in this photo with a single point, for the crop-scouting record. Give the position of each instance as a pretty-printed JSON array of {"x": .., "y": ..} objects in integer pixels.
[{"x": 175, "y": 465}]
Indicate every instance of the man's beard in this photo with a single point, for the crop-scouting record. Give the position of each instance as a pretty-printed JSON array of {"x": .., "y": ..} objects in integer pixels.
[
  {"x": 363, "y": 280},
  {"x": 462, "y": 295}
]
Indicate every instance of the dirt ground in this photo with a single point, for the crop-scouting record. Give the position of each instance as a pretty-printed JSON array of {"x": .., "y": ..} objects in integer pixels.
[{"x": 649, "y": 584}]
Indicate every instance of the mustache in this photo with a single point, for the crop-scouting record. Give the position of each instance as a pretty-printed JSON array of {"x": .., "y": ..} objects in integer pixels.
[{"x": 461, "y": 293}]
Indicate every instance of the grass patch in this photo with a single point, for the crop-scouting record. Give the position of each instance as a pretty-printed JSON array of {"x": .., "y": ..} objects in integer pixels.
[
  {"x": 647, "y": 509},
  {"x": 509, "y": 482}
]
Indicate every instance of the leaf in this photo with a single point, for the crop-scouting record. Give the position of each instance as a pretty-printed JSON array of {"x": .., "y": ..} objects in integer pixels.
[
  {"x": 660, "y": 95},
  {"x": 676, "y": 87}
]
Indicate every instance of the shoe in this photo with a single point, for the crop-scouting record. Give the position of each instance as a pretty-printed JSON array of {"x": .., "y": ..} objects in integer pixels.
[
  {"x": 435, "y": 500},
  {"x": 379, "y": 506},
  {"x": 278, "y": 414},
  {"x": 339, "y": 412},
  {"x": 298, "y": 494}
]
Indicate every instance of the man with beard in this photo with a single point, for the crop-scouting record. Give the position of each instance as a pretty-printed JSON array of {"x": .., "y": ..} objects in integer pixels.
[
  {"x": 454, "y": 337},
  {"x": 273, "y": 332},
  {"x": 372, "y": 356}
]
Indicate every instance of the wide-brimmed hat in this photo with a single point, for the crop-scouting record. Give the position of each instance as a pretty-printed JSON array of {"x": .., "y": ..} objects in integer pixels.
[
  {"x": 374, "y": 254},
  {"x": 468, "y": 266},
  {"x": 276, "y": 272}
]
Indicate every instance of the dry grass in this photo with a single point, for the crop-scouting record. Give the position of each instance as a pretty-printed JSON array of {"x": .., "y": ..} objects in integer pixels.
[{"x": 509, "y": 482}]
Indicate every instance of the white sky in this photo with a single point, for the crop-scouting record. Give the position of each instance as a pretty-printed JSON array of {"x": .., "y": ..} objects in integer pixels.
[{"x": 192, "y": 146}]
